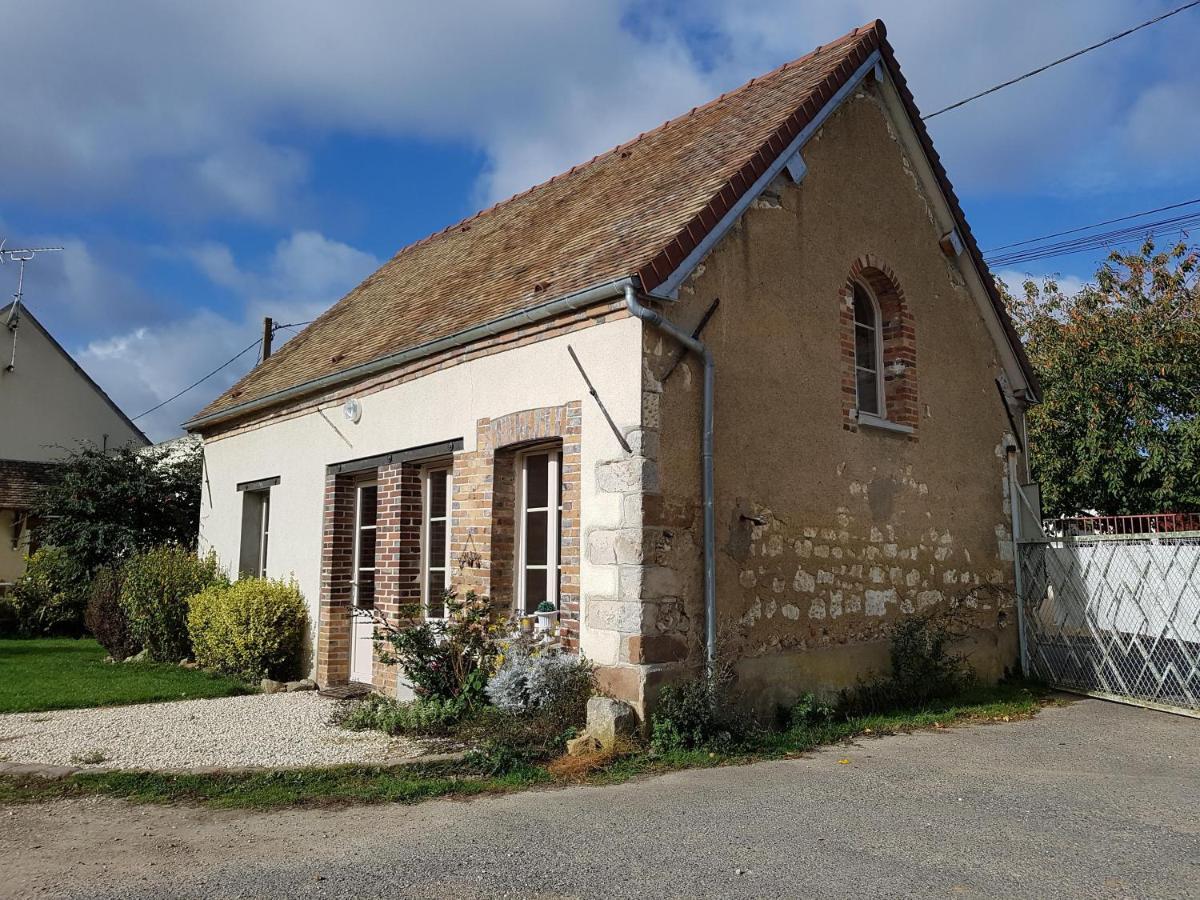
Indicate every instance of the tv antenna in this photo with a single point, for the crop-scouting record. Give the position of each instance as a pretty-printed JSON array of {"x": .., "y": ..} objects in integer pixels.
[{"x": 19, "y": 255}]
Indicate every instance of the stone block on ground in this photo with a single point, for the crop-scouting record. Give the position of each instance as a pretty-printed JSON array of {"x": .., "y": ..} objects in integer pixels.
[
  {"x": 608, "y": 720},
  {"x": 270, "y": 686},
  {"x": 304, "y": 684}
]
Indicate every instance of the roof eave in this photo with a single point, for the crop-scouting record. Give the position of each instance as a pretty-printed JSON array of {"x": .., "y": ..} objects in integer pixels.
[{"x": 566, "y": 303}]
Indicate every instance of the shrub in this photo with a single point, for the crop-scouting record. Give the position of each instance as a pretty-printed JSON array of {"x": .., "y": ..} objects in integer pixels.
[
  {"x": 528, "y": 680},
  {"x": 106, "y": 619},
  {"x": 253, "y": 628},
  {"x": 413, "y": 717},
  {"x": 445, "y": 660},
  {"x": 697, "y": 714},
  {"x": 809, "y": 711},
  {"x": 923, "y": 668},
  {"x": 50, "y": 598},
  {"x": 502, "y": 740},
  {"x": 155, "y": 586}
]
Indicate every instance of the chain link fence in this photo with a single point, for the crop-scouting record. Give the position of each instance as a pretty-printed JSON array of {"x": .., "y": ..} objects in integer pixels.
[{"x": 1116, "y": 615}]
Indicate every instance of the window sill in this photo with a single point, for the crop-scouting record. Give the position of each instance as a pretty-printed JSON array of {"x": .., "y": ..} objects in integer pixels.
[{"x": 882, "y": 424}]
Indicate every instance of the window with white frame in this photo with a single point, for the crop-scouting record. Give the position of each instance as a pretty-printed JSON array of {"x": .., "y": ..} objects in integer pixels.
[
  {"x": 366, "y": 517},
  {"x": 868, "y": 353},
  {"x": 539, "y": 528},
  {"x": 256, "y": 527},
  {"x": 435, "y": 541}
]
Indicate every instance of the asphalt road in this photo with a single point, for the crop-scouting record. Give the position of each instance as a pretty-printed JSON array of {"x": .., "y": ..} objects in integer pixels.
[{"x": 1090, "y": 800}]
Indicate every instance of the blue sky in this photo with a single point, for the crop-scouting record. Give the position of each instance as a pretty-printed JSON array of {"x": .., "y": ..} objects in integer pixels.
[{"x": 208, "y": 164}]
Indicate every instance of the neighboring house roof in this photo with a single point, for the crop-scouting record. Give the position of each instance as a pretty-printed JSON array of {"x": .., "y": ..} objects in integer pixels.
[
  {"x": 26, "y": 315},
  {"x": 638, "y": 210},
  {"x": 20, "y": 481}
]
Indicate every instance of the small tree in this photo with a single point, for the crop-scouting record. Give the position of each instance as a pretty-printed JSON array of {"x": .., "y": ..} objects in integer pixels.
[
  {"x": 1118, "y": 430},
  {"x": 103, "y": 506}
]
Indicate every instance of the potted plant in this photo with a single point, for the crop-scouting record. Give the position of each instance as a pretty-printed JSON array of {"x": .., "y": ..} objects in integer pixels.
[{"x": 546, "y": 614}]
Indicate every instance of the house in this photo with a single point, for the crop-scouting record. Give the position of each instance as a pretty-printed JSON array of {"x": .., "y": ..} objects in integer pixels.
[
  {"x": 48, "y": 406},
  {"x": 801, "y": 411}
]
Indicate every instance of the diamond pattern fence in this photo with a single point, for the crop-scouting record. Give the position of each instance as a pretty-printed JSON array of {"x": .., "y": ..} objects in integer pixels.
[{"x": 1116, "y": 615}]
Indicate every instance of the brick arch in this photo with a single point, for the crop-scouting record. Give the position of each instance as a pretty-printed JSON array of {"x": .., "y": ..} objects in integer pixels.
[{"x": 899, "y": 344}]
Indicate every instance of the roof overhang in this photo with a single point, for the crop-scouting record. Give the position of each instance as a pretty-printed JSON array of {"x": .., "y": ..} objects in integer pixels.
[
  {"x": 917, "y": 146},
  {"x": 540, "y": 313}
]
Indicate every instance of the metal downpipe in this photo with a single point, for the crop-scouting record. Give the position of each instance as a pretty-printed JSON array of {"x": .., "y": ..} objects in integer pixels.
[{"x": 654, "y": 318}]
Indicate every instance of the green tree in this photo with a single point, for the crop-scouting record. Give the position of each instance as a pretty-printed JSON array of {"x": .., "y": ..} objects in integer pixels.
[
  {"x": 103, "y": 506},
  {"x": 1118, "y": 430}
]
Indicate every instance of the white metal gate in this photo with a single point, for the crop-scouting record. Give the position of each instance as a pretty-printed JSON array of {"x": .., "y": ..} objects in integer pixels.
[{"x": 1115, "y": 615}]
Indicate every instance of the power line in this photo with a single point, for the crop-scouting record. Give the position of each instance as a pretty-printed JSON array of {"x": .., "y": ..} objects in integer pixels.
[
  {"x": 1136, "y": 215},
  {"x": 1067, "y": 58},
  {"x": 1101, "y": 240},
  {"x": 201, "y": 381},
  {"x": 219, "y": 368}
]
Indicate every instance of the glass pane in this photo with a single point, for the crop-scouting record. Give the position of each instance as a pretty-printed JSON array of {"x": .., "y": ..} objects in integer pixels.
[
  {"x": 368, "y": 497},
  {"x": 366, "y": 590},
  {"x": 868, "y": 392},
  {"x": 535, "y": 538},
  {"x": 437, "y": 493},
  {"x": 435, "y": 588},
  {"x": 366, "y": 548},
  {"x": 864, "y": 347},
  {"x": 437, "y": 543},
  {"x": 535, "y": 480},
  {"x": 864, "y": 309},
  {"x": 535, "y": 588},
  {"x": 559, "y": 485}
]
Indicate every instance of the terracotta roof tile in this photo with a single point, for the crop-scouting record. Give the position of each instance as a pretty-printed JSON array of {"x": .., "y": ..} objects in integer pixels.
[
  {"x": 20, "y": 481},
  {"x": 638, "y": 209}
]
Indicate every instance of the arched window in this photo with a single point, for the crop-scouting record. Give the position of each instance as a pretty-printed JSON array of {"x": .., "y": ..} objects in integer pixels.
[{"x": 868, "y": 353}]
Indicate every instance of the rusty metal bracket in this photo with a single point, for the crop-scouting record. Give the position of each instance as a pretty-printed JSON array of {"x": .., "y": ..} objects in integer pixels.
[
  {"x": 708, "y": 314},
  {"x": 595, "y": 396}
]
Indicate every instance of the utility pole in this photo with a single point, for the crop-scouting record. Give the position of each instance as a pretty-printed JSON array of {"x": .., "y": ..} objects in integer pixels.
[
  {"x": 268, "y": 333},
  {"x": 20, "y": 256}
]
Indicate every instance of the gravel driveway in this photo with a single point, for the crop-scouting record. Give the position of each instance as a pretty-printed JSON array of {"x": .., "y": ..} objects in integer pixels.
[
  {"x": 229, "y": 732},
  {"x": 1087, "y": 800}
]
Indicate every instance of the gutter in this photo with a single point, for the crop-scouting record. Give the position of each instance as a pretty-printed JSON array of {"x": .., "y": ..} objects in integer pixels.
[
  {"x": 656, "y": 320},
  {"x": 533, "y": 315}
]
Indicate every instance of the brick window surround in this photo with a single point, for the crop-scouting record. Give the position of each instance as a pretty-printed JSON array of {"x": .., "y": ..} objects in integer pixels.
[
  {"x": 899, "y": 345},
  {"x": 482, "y": 531},
  {"x": 397, "y": 563}
]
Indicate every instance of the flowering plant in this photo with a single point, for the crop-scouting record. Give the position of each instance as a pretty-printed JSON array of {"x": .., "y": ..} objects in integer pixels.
[{"x": 448, "y": 659}]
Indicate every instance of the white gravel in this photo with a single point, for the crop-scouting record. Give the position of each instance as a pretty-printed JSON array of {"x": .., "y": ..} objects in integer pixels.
[{"x": 270, "y": 730}]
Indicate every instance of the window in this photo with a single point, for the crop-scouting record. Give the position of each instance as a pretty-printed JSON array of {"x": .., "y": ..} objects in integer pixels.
[
  {"x": 435, "y": 578},
  {"x": 539, "y": 528},
  {"x": 868, "y": 353},
  {"x": 366, "y": 513},
  {"x": 256, "y": 526}
]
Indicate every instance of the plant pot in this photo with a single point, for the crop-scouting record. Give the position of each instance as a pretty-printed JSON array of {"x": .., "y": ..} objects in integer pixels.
[{"x": 545, "y": 622}]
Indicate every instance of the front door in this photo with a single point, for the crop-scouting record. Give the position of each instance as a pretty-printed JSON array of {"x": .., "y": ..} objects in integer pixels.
[{"x": 362, "y": 649}]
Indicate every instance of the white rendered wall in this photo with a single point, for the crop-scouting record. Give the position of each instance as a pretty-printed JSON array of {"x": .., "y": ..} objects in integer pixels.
[{"x": 437, "y": 407}]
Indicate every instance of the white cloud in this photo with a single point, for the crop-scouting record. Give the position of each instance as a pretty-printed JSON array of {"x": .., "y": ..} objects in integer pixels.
[
  {"x": 204, "y": 108},
  {"x": 146, "y": 365}
]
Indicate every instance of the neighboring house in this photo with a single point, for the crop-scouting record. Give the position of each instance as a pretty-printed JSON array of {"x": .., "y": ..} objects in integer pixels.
[
  {"x": 48, "y": 406},
  {"x": 432, "y": 430}
]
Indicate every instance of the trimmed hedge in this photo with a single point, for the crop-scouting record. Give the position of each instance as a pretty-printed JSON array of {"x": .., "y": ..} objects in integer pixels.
[
  {"x": 155, "y": 586},
  {"x": 253, "y": 628}
]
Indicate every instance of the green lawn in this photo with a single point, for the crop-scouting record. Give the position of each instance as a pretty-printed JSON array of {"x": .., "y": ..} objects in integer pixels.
[{"x": 63, "y": 673}]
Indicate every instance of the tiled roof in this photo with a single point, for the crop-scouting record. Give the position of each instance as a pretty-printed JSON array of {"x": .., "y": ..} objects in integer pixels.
[
  {"x": 20, "y": 480},
  {"x": 638, "y": 209}
]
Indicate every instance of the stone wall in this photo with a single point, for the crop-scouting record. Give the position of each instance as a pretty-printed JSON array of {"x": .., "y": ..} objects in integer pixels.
[{"x": 828, "y": 530}]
